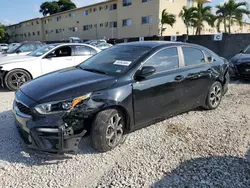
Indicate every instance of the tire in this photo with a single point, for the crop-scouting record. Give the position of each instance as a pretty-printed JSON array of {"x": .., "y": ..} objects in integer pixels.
[
  {"x": 214, "y": 96},
  {"x": 107, "y": 130},
  {"x": 14, "y": 79}
]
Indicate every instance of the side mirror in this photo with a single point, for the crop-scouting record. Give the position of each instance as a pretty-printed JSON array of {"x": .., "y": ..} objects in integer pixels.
[
  {"x": 18, "y": 51},
  {"x": 145, "y": 71}
]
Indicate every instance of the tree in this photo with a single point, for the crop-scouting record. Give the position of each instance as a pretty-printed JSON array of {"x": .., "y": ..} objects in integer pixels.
[
  {"x": 66, "y": 5},
  {"x": 49, "y": 8},
  {"x": 3, "y": 33},
  {"x": 202, "y": 14},
  {"x": 231, "y": 12},
  {"x": 221, "y": 17},
  {"x": 167, "y": 18},
  {"x": 187, "y": 15}
]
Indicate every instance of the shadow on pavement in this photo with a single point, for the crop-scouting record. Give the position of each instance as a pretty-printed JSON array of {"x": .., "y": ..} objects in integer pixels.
[{"x": 217, "y": 171}]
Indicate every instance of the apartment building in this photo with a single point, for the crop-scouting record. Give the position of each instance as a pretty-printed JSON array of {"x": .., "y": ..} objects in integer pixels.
[{"x": 109, "y": 19}]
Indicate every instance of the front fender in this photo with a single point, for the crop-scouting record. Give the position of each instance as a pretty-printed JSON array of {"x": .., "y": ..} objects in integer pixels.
[{"x": 119, "y": 97}]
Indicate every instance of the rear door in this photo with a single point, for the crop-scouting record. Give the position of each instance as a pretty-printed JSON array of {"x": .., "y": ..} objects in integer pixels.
[
  {"x": 159, "y": 95},
  {"x": 197, "y": 74},
  {"x": 82, "y": 53},
  {"x": 60, "y": 58}
]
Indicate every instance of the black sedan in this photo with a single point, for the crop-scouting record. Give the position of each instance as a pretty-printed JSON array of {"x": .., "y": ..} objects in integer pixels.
[
  {"x": 240, "y": 64},
  {"x": 117, "y": 91}
]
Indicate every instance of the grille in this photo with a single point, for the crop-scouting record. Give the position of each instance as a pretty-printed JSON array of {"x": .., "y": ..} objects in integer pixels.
[{"x": 24, "y": 109}]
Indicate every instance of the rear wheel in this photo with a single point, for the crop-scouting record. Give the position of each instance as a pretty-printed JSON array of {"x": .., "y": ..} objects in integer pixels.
[
  {"x": 107, "y": 130},
  {"x": 214, "y": 96},
  {"x": 16, "y": 78}
]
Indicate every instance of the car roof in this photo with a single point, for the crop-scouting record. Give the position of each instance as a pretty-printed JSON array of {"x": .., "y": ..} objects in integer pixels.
[{"x": 155, "y": 44}]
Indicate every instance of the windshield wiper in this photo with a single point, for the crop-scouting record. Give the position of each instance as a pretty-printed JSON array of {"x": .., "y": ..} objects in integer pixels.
[{"x": 94, "y": 70}]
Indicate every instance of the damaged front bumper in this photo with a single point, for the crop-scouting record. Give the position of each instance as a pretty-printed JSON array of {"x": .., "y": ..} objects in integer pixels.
[{"x": 48, "y": 134}]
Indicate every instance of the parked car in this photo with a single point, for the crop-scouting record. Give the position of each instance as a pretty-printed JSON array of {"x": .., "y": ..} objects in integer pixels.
[
  {"x": 23, "y": 48},
  {"x": 95, "y": 42},
  {"x": 15, "y": 71},
  {"x": 3, "y": 47},
  {"x": 103, "y": 46},
  {"x": 117, "y": 91},
  {"x": 240, "y": 64},
  {"x": 12, "y": 45}
]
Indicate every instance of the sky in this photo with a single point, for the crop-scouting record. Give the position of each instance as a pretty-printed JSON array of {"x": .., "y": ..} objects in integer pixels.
[{"x": 14, "y": 11}]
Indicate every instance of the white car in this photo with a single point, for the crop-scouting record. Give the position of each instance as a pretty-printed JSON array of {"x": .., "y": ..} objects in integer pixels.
[
  {"x": 16, "y": 70},
  {"x": 3, "y": 47},
  {"x": 23, "y": 48}
]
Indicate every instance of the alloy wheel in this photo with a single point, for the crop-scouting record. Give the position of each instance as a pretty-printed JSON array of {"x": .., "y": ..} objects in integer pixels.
[
  {"x": 18, "y": 79},
  {"x": 215, "y": 96},
  {"x": 114, "y": 131}
]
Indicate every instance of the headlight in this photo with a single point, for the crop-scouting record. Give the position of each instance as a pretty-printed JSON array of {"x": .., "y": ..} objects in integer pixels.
[{"x": 60, "y": 106}]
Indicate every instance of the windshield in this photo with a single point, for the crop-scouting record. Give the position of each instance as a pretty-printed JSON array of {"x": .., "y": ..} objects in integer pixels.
[
  {"x": 43, "y": 50},
  {"x": 116, "y": 60},
  {"x": 13, "y": 48}
]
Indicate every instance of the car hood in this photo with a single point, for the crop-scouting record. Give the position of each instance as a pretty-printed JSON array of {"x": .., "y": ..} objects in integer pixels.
[
  {"x": 66, "y": 84},
  {"x": 240, "y": 58},
  {"x": 13, "y": 59}
]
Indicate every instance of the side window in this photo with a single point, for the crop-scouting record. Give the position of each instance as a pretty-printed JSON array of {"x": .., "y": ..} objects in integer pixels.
[
  {"x": 192, "y": 56},
  {"x": 25, "y": 48},
  {"x": 163, "y": 60},
  {"x": 84, "y": 50},
  {"x": 38, "y": 46},
  {"x": 61, "y": 52},
  {"x": 32, "y": 47}
]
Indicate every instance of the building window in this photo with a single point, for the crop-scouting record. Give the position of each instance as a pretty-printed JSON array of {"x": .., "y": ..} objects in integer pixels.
[
  {"x": 85, "y": 27},
  {"x": 146, "y": 20},
  {"x": 31, "y": 23},
  {"x": 73, "y": 15},
  {"x": 85, "y": 12},
  {"x": 126, "y": 22},
  {"x": 190, "y": 3},
  {"x": 144, "y": 1},
  {"x": 101, "y": 24},
  {"x": 127, "y": 3},
  {"x": 37, "y": 22},
  {"x": 29, "y": 34},
  {"x": 112, "y": 24},
  {"x": 90, "y": 26},
  {"x": 94, "y": 9},
  {"x": 113, "y": 7},
  {"x": 38, "y": 32},
  {"x": 34, "y": 33},
  {"x": 100, "y": 8},
  {"x": 75, "y": 29}
]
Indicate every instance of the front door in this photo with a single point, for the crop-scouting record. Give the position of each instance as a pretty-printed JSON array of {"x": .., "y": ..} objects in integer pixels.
[
  {"x": 58, "y": 59},
  {"x": 158, "y": 95}
]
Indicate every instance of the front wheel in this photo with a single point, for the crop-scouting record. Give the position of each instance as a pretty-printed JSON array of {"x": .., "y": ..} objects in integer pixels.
[
  {"x": 214, "y": 96},
  {"x": 16, "y": 78},
  {"x": 107, "y": 130}
]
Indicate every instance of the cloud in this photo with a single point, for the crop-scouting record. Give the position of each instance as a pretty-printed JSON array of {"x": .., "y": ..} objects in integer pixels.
[
  {"x": 81, "y": 3},
  {"x": 7, "y": 22}
]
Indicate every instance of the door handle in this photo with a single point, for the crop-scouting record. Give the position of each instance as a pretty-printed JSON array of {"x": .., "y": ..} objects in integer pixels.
[{"x": 179, "y": 78}]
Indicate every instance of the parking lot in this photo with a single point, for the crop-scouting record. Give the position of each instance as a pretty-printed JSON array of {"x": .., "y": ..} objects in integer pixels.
[{"x": 195, "y": 149}]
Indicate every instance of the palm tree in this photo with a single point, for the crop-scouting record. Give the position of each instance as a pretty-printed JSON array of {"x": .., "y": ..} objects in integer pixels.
[
  {"x": 202, "y": 14},
  {"x": 167, "y": 18},
  {"x": 234, "y": 12},
  {"x": 221, "y": 17},
  {"x": 187, "y": 15}
]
